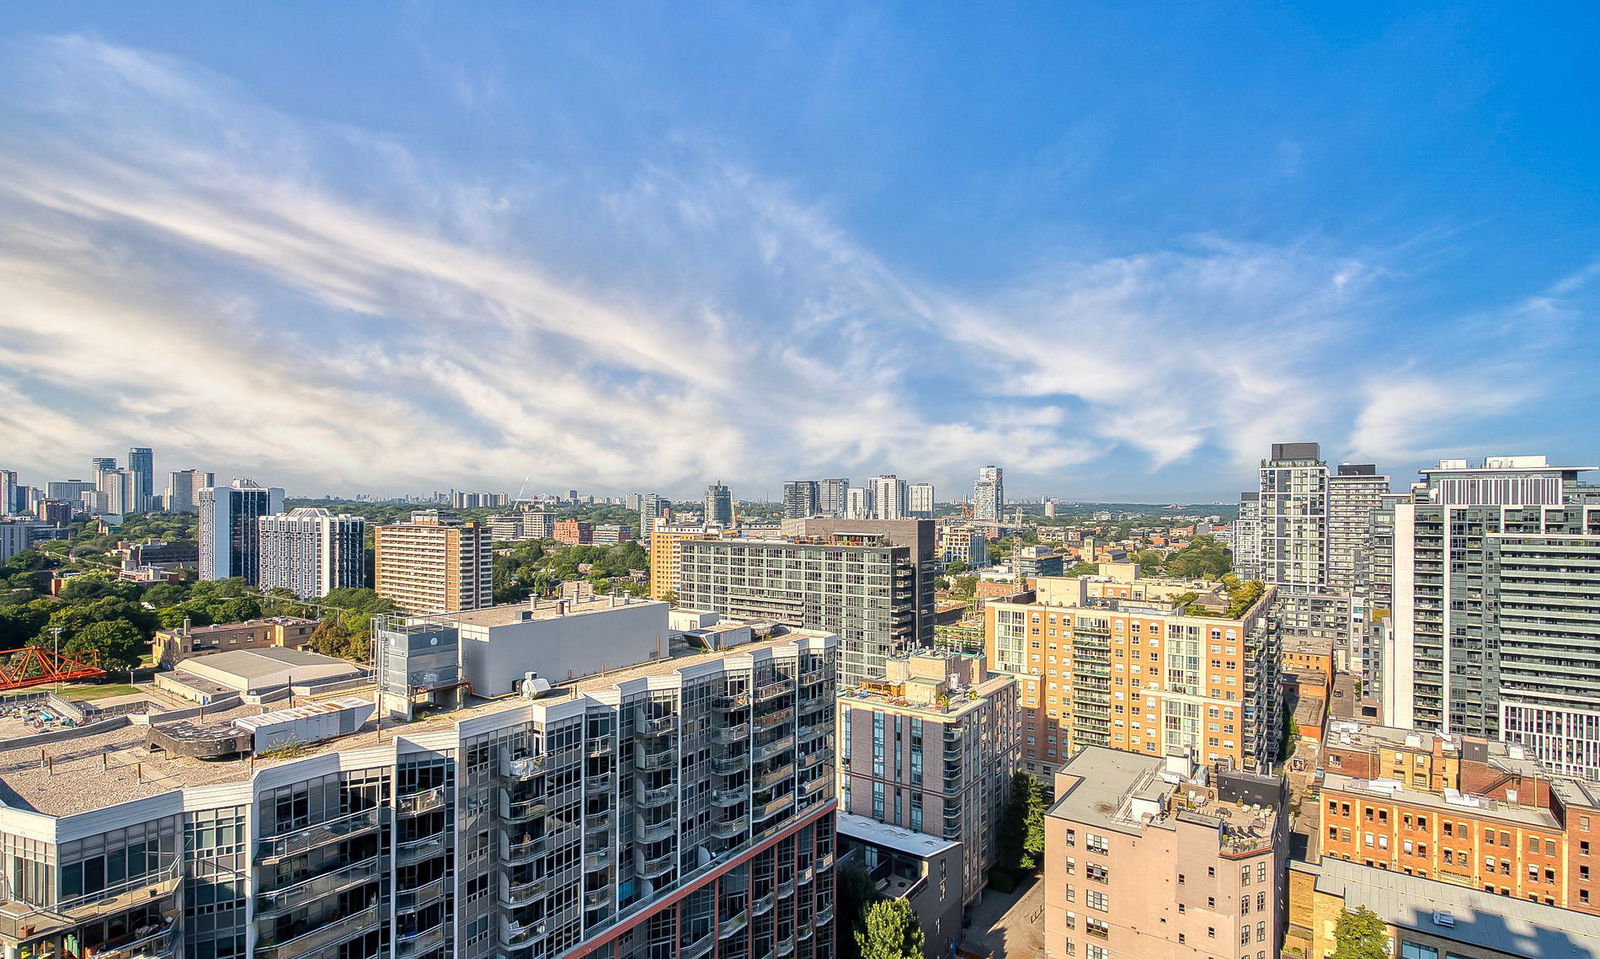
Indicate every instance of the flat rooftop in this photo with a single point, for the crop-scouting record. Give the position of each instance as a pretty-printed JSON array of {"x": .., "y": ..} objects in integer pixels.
[
  {"x": 513, "y": 613},
  {"x": 84, "y": 771},
  {"x": 1515, "y": 927},
  {"x": 1457, "y": 803},
  {"x": 899, "y": 838},
  {"x": 1110, "y": 776}
]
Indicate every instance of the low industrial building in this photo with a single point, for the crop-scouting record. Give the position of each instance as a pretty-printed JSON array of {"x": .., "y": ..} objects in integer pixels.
[{"x": 257, "y": 673}]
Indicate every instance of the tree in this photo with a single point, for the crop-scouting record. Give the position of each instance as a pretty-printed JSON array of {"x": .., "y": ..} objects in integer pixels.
[
  {"x": 1084, "y": 569},
  {"x": 118, "y": 641},
  {"x": 856, "y": 891},
  {"x": 1021, "y": 838},
  {"x": 891, "y": 931},
  {"x": 957, "y": 568},
  {"x": 1360, "y": 935}
]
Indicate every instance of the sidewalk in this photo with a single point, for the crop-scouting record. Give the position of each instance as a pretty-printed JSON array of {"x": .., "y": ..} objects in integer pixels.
[{"x": 1008, "y": 926}]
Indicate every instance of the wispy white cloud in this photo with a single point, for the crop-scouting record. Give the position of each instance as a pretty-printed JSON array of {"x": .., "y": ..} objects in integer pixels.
[{"x": 326, "y": 307}]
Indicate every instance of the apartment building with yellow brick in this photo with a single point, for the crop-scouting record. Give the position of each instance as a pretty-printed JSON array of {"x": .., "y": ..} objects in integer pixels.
[
  {"x": 433, "y": 564},
  {"x": 664, "y": 552},
  {"x": 1147, "y": 666}
]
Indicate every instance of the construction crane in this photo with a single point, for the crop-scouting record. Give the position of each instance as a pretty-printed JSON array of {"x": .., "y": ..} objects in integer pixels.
[{"x": 36, "y": 666}]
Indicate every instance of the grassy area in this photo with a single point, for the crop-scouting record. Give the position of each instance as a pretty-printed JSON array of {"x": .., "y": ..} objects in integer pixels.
[{"x": 82, "y": 691}]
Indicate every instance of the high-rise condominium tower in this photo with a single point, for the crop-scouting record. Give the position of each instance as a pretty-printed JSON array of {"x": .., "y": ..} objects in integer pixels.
[
  {"x": 831, "y": 495},
  {"x": 919, "y": 501},
  {"x": 801, "y": 498},
  {"x": 719, "y": 505},
  {"x": 310, "y": 552},
  {"x": 1496, "y": 624},
  {"x": 141, "y": 463},
  {"x": 989, "y": 495},
  {"x": 182, "y": 487},
  {"x": 434, "y": 564},
  {"x": 230, "y": 529},
  {"x": 888, "y": 497}
]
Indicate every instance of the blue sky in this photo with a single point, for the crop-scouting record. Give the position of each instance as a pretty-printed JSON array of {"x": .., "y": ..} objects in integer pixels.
[{"x": 1116, "y": 249}]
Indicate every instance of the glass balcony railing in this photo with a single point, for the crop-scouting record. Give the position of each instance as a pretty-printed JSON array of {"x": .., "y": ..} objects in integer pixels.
[
  {"x": 523, "y": 769},
  {"x": 730, "y": 828},
  {"x": 729, "y": 765},
  {"x": 420, "y": 942},
  {"x": 658, "y": 866},
  {"x": 277, "y": 902},
  {"x": 733, "y": 924},
  {"x": 419, "y": 803},
  {"x": 163, "y": 942},
  {"x": 411, "y": 900},
  {"x": 414, "y": 851},
  {"x": 519, "y": 852},
  {"x": 308, "y": 938},
  {"x": 658, "y": 796},
  {"x": 659, "y": 726},
  {"x": 297, "y": 841},
  {"x": 652, "y": 762},
  {"x": 727, "y": 735},
  {"x": 514, "y": 895}
]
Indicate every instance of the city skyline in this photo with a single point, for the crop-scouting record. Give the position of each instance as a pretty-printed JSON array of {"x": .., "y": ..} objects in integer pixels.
[{"x": 522, "y": 244}]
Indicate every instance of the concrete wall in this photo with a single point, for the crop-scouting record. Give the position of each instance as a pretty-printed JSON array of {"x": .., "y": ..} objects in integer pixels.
[{"x": 558, "y": 648}]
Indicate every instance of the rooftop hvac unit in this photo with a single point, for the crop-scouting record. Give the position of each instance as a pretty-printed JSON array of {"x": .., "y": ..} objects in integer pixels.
[{"x": 532, "y": 687}]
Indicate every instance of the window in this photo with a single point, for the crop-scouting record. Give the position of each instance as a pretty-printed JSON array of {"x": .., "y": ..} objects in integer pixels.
[
  {"x": 1096, "y": 900},
  {"x": 1413, "y": 950}
]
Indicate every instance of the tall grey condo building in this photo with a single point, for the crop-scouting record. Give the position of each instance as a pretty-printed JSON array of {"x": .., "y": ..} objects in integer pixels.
[
  {"x": 230, "y": 530},
  {"x": 801, "y": 498},
  {"x": 674, "y": 810},
  {"x": 719, "y": 505},
  {"x": 311, "y": 552},
  {"x": 1355, "y": 492},
  {"x": 989, "y": 495},
  {"x": 142, "y": 466},
  {"x": 1495, "y": 575},
  {"x": 10, "y": 489},
  {"x": 183, "y": 487},
  {"x": 831, "y": 495},
  {"x": 888, "y": 497},
  {"x": 871, "y": 582}
]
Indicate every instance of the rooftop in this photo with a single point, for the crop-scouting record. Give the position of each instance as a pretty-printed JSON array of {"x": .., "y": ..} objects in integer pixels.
[
  {"x": 513, "y": 613},
  {"x": 898, "y": 838},
  {"x": 84, "y": 770},
  {"x": 1511, "y": 926},
  {"x": 1450, "y": 801},
  {"x": 1127, "y": 793}
]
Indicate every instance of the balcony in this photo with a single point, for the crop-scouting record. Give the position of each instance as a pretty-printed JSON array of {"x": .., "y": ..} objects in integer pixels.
[
  {"x": 768, "y": 720},
  {"x": 824, "y": 913},
  {"x": 813, "y": 758},
  {"x": 733, "y": 924},
  {"x": 411, "y": 900},
  {"x": 595, "y": 898},
  {"x": 786, "y": 889},
  {"x": 596, "y": 860},
  {"x": 804, "y": 876},
  {"x": 515, "y": 895},
  {"x": 419, "y": 850},
  {"x": 729, "y": 765},
  {"x": 598, "y": 784},
  {"x": 163, "y": 943},
  {"x": 421, "y": 942},
  {"x": 773, "y": 690},
  {"x": 731, "y": 702},
  {"x": 419, "y": 803},
  {"x": 659, "y": 726},
  {"x": 519, "y": 935},
  {"x": 659, "y": 796},
  {"x": 763, "y": 905},
  {"x": 270, "y": 905},
  {"x": 659, "y": 866},
  {"x": 783, "y": 803},
  {"x": 775, "y": 777},
  {"x": 294, "y": 842},
  {"x": 599, "y": 749},
  {"x": 824, "y": 861},
  {"x": 730, "y": 828},
  {"x": 785, "y": 947},
  {"x": 700, "y": 947},
  {"x": 521, "y": 810},
  {"x": 728, "y": 735},
  {"x": 521, "y": 852},
  {"x": 522, "y": 770},
  {"x": 654, "y": 832},
  {"x": 302, "y": 939},
  {"x": 815, "y": 786},
  {"x": 651, "y": 762},
  {"x": 727, "y": 798},
  {"x": 597, "y": 823},
  {"x": 775, "y": 748},
  {"x": 813, "y": 677}
]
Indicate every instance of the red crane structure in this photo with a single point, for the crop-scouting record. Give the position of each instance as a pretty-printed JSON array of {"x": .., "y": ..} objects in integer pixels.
[{"x": 36, "y": 666}]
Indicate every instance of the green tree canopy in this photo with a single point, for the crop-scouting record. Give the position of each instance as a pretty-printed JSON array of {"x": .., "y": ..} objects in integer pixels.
[
  {"x": 890, "y": 931},
  {"x": 118, "y": 642},
  {"x": 1360, "y": 935}
]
